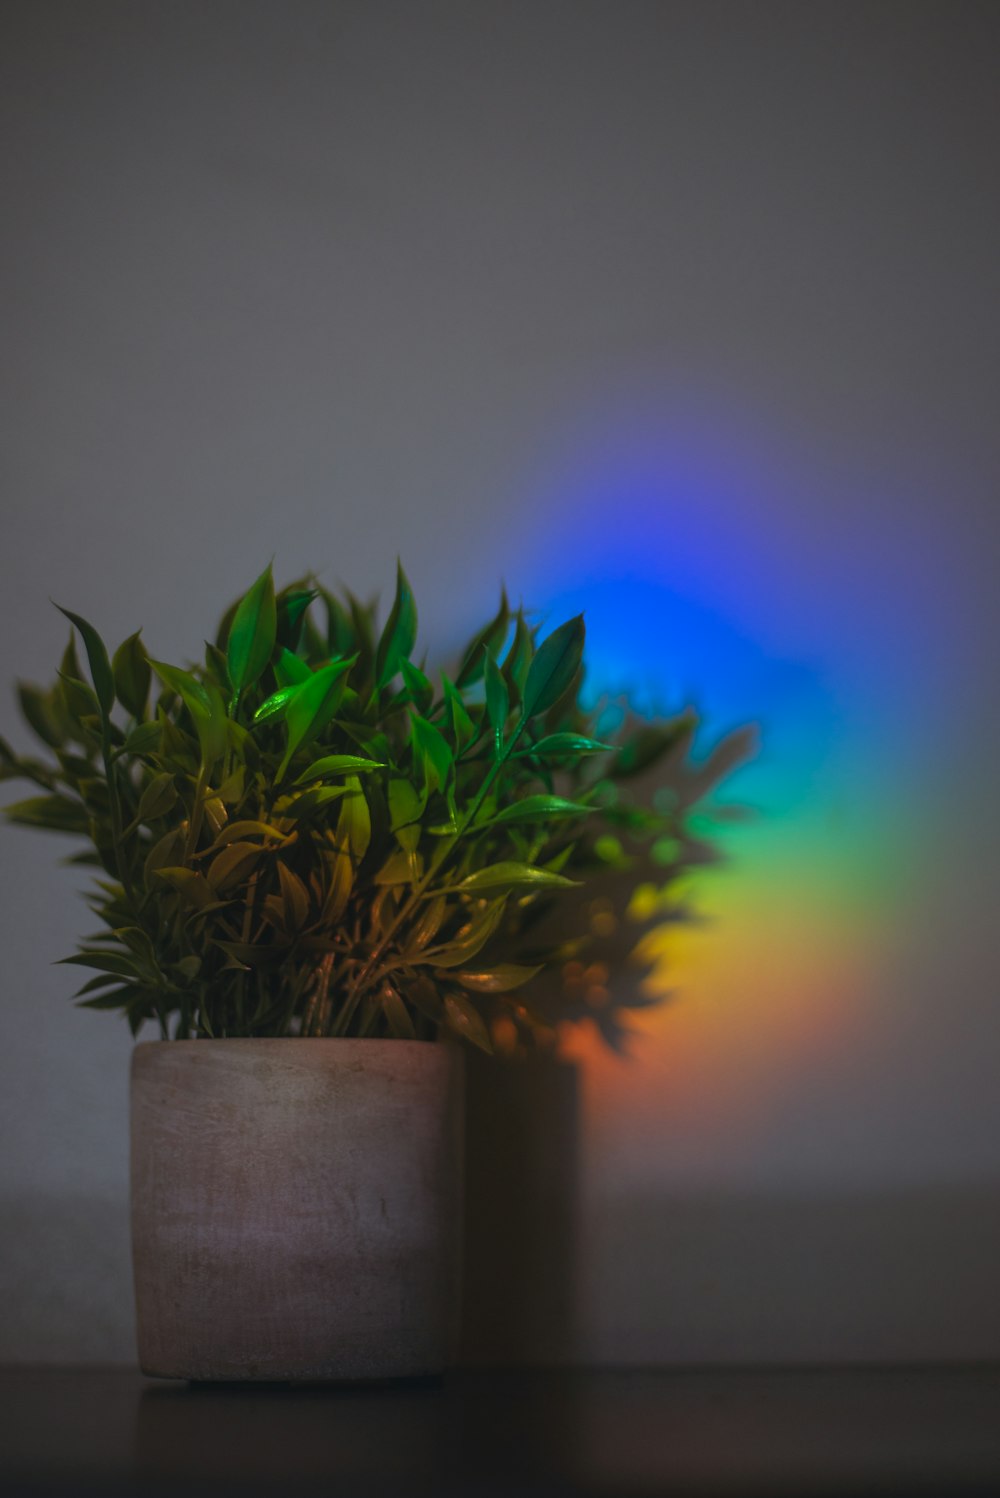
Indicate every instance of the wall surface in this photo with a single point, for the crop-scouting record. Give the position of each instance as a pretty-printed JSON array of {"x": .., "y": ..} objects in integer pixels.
[{"x": 682, "y": 313}]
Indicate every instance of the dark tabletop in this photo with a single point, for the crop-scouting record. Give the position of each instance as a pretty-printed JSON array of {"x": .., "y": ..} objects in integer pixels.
[{"x": 921, "y": 1431}]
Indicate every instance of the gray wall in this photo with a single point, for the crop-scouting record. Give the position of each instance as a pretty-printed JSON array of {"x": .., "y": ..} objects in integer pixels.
[{"x": 336, "y": 281}]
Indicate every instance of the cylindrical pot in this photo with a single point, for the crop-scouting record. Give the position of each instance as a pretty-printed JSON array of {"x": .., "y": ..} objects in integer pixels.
[{"x": 296, "y": 1207}]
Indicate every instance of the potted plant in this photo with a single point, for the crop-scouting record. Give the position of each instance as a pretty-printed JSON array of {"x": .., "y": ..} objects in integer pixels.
[{"x": 317, "y": 873}]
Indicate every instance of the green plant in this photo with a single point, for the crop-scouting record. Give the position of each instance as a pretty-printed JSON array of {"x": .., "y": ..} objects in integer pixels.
[{"x": 305, "y": 835}]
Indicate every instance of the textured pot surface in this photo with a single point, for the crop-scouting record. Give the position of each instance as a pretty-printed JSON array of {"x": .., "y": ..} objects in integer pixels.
[{"x": 296, "y": 1207}]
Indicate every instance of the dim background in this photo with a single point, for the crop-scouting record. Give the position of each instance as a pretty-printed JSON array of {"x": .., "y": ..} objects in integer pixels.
[{"x": 682, "y": 314}]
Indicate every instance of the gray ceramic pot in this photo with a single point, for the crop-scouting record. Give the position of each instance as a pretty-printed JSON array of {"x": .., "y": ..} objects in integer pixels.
[{"x": 296, "y": 1207}]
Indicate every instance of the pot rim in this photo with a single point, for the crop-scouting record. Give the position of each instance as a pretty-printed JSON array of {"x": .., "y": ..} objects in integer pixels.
[{"x": 452, "y": 1043}]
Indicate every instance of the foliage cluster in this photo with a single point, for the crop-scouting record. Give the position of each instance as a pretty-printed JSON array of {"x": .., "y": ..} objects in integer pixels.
[{"x": 304, "y": 834}]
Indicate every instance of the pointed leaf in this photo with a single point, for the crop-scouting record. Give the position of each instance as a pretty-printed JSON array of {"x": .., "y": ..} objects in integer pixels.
[
  {"x": 54, "y": 813},
  {"x": 397, "y": 1015},
  {"x": 553, "y": 667},
  {"x": 432, "y": 749},
  {"x": 311, "y": 707},
  {"x": 338, "y": 764},
  {"x": 35, "y": 707},
  {"x": 420, "y": 689},
  {"x": 277, "y": 704},
  {"x": 515, "y": 667},
  {"x": 233, "y": 864},
  {"x": 119, "y": 963},
  {"x": 355, "y": 824},
  {"x": 560, "y": 745},
  {"x": 97, "y": 656},
  {"x": 142, "y": 740},
  {"x": 289, "y": 670},
  {"x": 292, "y": 608},
  {"x": 470, "y": 940},
  {"x": 466, "y": 1021},
  {"x": 492, "y": 637},
  {"x": 341, "y": 879},
  {"x": 313, "y": 800},
  {"x": 423, "y": 994},
  {"x": 252, "y": 633},
  {"x": 194, "y": 888},
  {"x": 539, "y": 809},
  {"x": 295, "y": 897},
  {"x": 400, "y": 633},
  {"x": 463, "y": 729},
  {"x": 157, "y": 799},
  {"x": 509, "y": 876},
  {"x": 497, "y": 699},
  {"x": 500, "y": 979},
  {"x": 247, "y": 828},
  {"x": 131, "y": 670}
]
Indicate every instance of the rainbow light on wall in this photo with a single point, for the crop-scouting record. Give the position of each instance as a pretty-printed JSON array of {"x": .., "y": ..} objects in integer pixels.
[{"x": 701, "y": 582}]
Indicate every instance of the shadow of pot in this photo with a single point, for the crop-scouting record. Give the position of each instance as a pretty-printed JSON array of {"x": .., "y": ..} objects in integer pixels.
[{"x": 522, "y": 1141}]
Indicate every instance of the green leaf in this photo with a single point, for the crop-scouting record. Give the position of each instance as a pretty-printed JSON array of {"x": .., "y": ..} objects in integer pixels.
[
  {"x": 406, "y": 807},
  {"x": 54, "y": 813},
  {"x": 397, "y": 869},
  {"x": 163, "y": 854},
  {"x": 509, "y": 876},
  {"x": 354, "y": 826},
  {"x": 338, "y": 764},
  {"x": 295, "y": 897},
  {"x": 190, "y": 690},
  {"x": 470, "y": 940},
  {"x": 339, "y": 631},
  {"x": 463, "y": 730},
  {"x": 35, "y": 707},
  {"x": 113, "y": 1000},
  {"x": 252, "y": 633},
  {"x": 193, "y": 888},
  {"x": 539, "y": 809},
  {"x": 80, "y": 699},
  {"x": 500, "y": 979},
  {"x": 420, "y": 689},
  {"x": 340, "y": 874},
  {"x": 497, "y": 700},
  {"x": 291, "y": 607},
  {"x": 312, "y": 706},
  {"x": 559, "y": 745},
  {"x": 515, "y": 666},
  {"x": 132, "y": 674},
  {"x": 400, "y": 633},
  {"x": 491, "y": 636},
  {"x": 246, "y": 828},
  {"x": 277, "y": 704},
  {"x": 422, "y": 993},
  {"x": 312, "y": 800},
  {"x": 119, "y": 963},
  {"x": 216, "y": 668},
  {"x": 204, "y": 703},
  {"x": 432, "y": 750},
  {"x": 157, "y": 799},
  {"x": 397, "y": 1015},
  {"x": 289, "y": 670},
  {"x": 97, "y": 656},
  {"x": 464, "y": 1020},
  {"x": 142, "y": 740},
  {"x": 233, "y": 864},
  {"x": 98, "y": 982},
  {"x": 427, "y": 926},
  {"x": 553, "y": 667}
]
